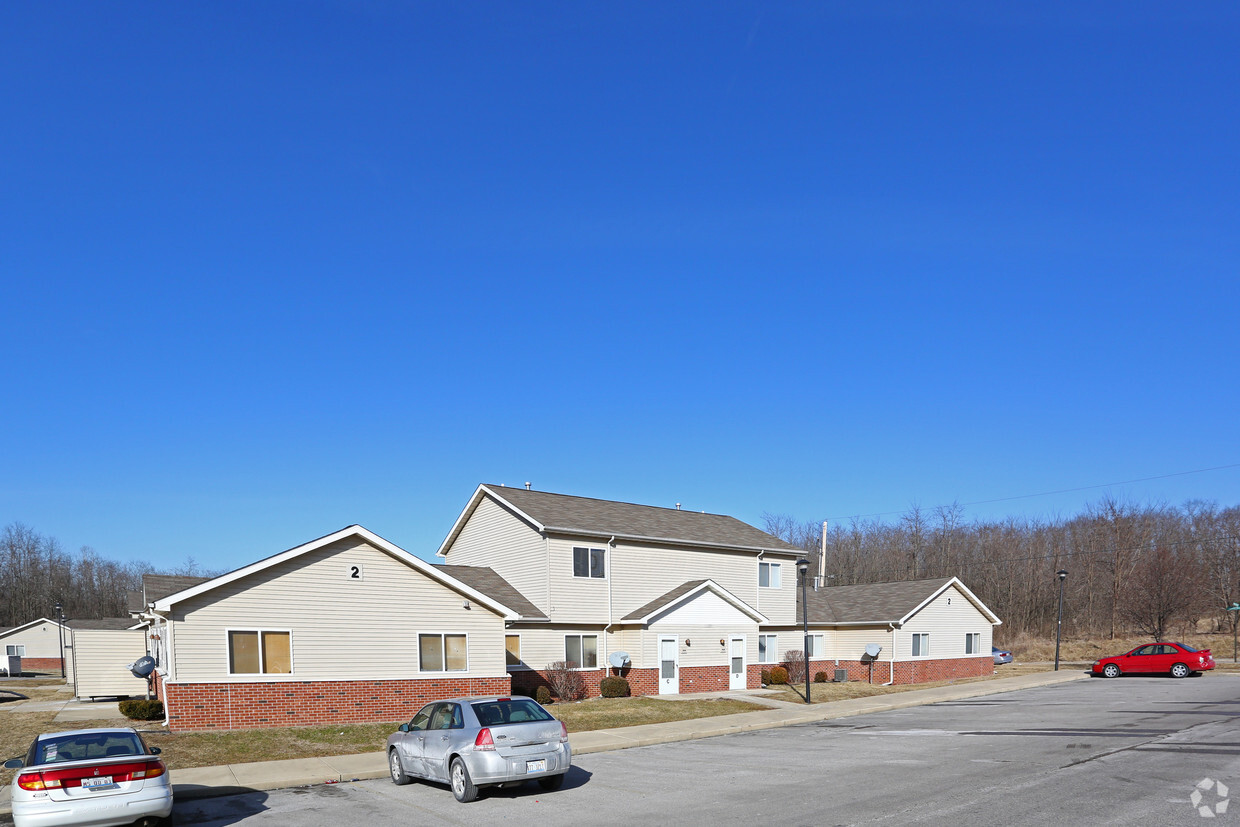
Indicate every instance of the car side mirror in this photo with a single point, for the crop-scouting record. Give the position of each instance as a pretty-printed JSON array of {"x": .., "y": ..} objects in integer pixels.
[
  {"x": 14, "y": 764},
  {"x": 155, "y": 750},
  {"x": 404, "y": 727}
]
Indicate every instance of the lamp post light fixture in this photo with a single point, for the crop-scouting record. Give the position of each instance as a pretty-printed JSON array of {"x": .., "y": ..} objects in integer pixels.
[
  {"x": 60, "y": 632},
  {"x": 1062, "y": 574},
  {"x": 803, "y": 568}
]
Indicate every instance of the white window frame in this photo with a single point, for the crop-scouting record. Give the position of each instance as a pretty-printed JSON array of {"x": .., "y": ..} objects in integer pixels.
[
  {"x": 581, "y": 646},
  {"x": 774, "y": 575},
  {"x": 11, "y": 650},
  {"x": 771, "y": 643},
  {"x": 817, "y": 646},
  {"x": 292, "y": 665},
  {"x": 921, "y": 645},
  {"x": 443, "y": 648},
  {"x": 972, "y": 643},
  {"x": 515, "y": 667},
  {"x": 590, "y": 575}
]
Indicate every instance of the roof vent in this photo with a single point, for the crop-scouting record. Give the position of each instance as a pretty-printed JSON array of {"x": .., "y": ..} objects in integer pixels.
[
  {"x": 527, "y": 486},
  {"x": 677, "y": 506}
]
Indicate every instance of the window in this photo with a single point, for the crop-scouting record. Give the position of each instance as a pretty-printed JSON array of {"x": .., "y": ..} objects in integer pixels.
[
  {"x": 18, "y": 649},
  {"x": 260, "y": 653},
  {"x": 972, "y": 643},
  {"x": 581, "y": 650},
  {"x": 587, "y": 562},
  {"x": 443, "y": 653},
  {"x": 512, "y": 651},
  {"x": 921, "y": 645},
  {"x": 816, "y": 646},
  {"x": 768, "y": 575},
  {"x": 768, "y": 648}
]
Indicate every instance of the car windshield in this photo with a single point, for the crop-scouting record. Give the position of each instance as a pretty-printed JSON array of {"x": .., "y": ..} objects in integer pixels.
[
  {"x": 84, "y": 746},
  {"x": 510, "y": 711},
  {"x": 1186, "y": 648}
]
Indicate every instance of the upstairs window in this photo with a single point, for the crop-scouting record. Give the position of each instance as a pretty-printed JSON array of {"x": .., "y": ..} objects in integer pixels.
[
  {"x": 769, "y": 575},
  {"x": 588, "y": 562}
]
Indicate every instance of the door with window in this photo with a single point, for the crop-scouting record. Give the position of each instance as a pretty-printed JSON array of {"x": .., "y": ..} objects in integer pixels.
[
  {"x": 737, "y": 675},
  {"x": 669, "y": 671}
]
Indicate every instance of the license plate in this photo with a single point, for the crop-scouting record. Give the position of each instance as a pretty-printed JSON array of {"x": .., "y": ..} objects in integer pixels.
[
  {"x": 97, "y": 783},
  {"x": 536, "y": 766}
]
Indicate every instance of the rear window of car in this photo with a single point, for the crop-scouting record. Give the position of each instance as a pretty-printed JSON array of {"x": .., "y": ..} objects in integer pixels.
[
  {"x": 515, "y": 711},
  {"x": 87, "y": 746},
  {"x": 1186, "y": 648}
]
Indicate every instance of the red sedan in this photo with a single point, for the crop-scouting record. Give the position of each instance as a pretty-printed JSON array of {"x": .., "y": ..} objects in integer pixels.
[{"x": 1174, "y": 659}]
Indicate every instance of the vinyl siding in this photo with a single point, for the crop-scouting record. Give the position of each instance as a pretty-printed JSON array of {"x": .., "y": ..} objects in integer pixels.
[
  {"x": 849, "y": 644},
  {"x": 41, "y": 641},
  {"x": 341, "y": 629},
  {"x": 543, "y": 645},
  {"x": 100, "y": 657},
  {"x": 637, "y": 574},
  {"x": 698, "y": 645},
  {"x": 495, "y": 537},
  {"x": 947, "y": 625}
]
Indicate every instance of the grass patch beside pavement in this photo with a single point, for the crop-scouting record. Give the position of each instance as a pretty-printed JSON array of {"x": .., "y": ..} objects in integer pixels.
[{"x": 827, "y": 692}]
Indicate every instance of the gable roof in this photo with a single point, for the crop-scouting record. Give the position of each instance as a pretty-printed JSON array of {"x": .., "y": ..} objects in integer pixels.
[
  {"x": 12, "y": 629},
  {"x": 687, "y": 590},
  {"x": 437, "y": 573},
  {"x": 156, "y": 586},
  {"x": 867, "y": 604},
  {"x": 583, "y": 516},
  {"x": 487, "y": 581}
]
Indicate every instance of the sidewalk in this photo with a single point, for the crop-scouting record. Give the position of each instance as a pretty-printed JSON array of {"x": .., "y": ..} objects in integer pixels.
[{"x": 203, "y": 782}]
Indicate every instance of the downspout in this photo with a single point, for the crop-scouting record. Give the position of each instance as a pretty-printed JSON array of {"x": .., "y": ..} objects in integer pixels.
[
  {"x": 611, "y": 570},
  {"x": 547, "y": 546},
  {"x": 757, "y": 583},
  {"x": 891, "y": 661},
  {"x": 163, "y": 654}
]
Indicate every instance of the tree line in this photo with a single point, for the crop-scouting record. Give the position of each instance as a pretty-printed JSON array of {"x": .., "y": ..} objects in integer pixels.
[
  {"x": 37, "y": 573},
  {"x": 1148, "y": 569}
]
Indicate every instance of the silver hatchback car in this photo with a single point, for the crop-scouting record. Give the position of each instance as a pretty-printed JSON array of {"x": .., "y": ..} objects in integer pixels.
[{"x": 471, "y": 743}]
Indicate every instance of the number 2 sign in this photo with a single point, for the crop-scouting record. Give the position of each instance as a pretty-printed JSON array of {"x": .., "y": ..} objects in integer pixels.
[{"x": 355, "y": 572}]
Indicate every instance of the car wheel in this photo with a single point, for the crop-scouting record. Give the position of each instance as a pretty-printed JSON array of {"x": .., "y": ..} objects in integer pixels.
[
  {"x": 399, "y": 777},
  {"x": 462, "y": 786},
  {"x": 1179, "y": 671},
  {"x": 552, "y": 782},
  {"x": 1110, "y": 671}
]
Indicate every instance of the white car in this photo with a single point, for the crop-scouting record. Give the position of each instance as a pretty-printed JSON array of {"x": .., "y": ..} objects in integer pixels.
[{"x": 92, "y": 778}]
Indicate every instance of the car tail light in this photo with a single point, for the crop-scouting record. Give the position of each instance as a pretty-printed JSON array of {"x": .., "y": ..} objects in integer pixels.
[
  {"x": 72, "y": 776},
  {"x": 483, "y": 741},
  {"x": 563, "y": 733}
]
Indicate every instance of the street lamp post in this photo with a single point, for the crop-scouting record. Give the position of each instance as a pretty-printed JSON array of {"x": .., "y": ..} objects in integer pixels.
[
  {"x": 1234, "y": 607},
  {"x": 1062, "y": 574},
  {"x": 60, "y": 632},
  {"x": 803, "y": 568}
]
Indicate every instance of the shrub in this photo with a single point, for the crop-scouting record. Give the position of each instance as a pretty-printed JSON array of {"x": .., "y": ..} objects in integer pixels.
[
  {"x": 614, "y": 687},
  {"x": 779, "y": 675},
  {"x": 565, "y": 680},
  {"x": 543, "y": 695},
  {"x": 142, "y": 710},
  {"x": 796, "y": 665},
  {"x": 766, "y": 676},
  {"x": 820, "y": 677}
]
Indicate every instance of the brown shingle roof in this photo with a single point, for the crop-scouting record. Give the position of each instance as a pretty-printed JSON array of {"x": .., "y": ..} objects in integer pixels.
[
  {"x": 582, "y": 515},
  {"x": 487, "y": 581},
  {"x": 662, "y": 600},
  {"x": 868, "y": 602},
  {"x": 102, "y": 623}
]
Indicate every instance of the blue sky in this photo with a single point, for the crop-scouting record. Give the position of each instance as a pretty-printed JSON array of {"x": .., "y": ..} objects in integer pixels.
[{"x": 272, "y": 269}]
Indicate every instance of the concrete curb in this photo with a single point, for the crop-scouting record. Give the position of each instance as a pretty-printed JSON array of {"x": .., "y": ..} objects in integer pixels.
[{"x": 231, "y": 779}]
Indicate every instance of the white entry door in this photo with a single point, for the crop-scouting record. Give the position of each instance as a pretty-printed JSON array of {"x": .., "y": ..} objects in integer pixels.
[
  {"x": 737, "y": 675},
  {"x": 669, "y": 674}
]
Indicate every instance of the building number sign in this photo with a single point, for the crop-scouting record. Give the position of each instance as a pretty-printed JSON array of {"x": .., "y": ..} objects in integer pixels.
[{"x": 355, "y": 572}]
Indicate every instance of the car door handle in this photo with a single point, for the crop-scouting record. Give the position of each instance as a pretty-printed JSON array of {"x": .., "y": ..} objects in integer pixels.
[{"x": 443, "y": 737}]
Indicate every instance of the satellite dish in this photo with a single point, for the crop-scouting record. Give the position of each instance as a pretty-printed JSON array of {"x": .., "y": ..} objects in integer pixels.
[
  {"x": 872, "y": 650},
  {"x": 142, "y": 667},
  {"x": 618, "y": 659}
]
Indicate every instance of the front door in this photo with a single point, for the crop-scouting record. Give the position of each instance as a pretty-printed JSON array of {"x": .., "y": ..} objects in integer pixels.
[
  {"x": 669, "y": 674},
  {"x": 737, "y": 676}
]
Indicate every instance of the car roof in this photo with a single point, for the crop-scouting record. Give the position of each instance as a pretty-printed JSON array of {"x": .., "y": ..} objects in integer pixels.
[{"x": 96, "y": 731}]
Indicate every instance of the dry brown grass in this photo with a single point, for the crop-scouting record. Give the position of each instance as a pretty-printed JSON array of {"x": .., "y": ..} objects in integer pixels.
[
  {"x": 608, "y": 713},
  {"x": 1087, "y": 650},
  {"x": 826, "y": 692}
]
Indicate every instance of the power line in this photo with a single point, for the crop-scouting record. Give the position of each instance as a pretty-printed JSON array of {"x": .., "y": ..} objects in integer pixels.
[{"x": 1049, "y": 493}]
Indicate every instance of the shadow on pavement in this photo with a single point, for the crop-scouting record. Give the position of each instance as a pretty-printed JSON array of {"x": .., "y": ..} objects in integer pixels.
[{"x": 219, "y": 811}]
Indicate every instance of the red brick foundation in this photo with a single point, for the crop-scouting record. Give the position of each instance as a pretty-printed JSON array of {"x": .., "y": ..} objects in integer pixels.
[
  {"x": 207, "y": 706},
  {"x": 41, "y": 664},
  {"x": 906, "y": 672},
  {"x": 641, "y": 681}
]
